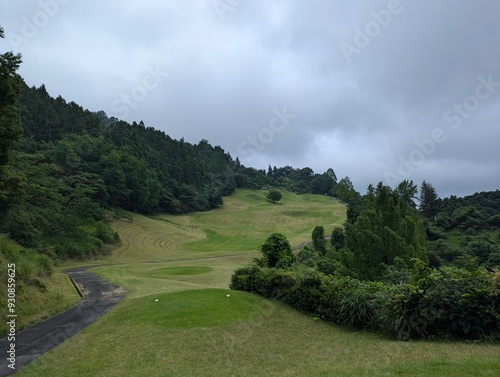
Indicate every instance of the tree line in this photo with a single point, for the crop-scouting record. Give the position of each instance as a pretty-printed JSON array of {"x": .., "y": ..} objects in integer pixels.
[
  {"x": 412, "y": 266},
  {"x": 65, "y": 171}
]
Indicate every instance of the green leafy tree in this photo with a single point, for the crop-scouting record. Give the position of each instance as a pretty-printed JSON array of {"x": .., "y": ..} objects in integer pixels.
[
  {"x": 276, "y": 252},
  {"x": 345, "y": 190},
  {"x": 407, "y": 192},
  {"x": 467, "y": 217},
  {"x": 318, "y": 239},
  {"x": 113, "y": 175},
  {"x": 12, "y": 180},
  {"x": 274, "y": 196},
  {"x": 443, "y": 220},
  {"x": 387, "y": 228},
  {"x": 354, "y": 208},
  {"x": 332, "y": 174},
  {"x": 322, "y": 184},
  {"x": 337, "y": 239},
  {"x": 10, "y": 90},
  {"x": 494, "y": 221}
]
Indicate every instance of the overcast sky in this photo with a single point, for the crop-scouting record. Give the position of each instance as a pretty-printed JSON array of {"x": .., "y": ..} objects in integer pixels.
[{"x": 378, "y": 90}]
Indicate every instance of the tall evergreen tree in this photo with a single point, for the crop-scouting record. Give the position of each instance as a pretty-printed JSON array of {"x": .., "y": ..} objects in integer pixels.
[
  {"x": 318, "y": 239},
  {"x": 345, "y": 190},
  {"x": 332, "y": 174},
  {"x": 11, "y": 180},
  {"x": 429, "y": 203},
  {"x": 386, "y": 228},
  {"x": 10, "y": 90},
  {"x": 269, "y": 172},
  {"x": 407, "y": 192}
]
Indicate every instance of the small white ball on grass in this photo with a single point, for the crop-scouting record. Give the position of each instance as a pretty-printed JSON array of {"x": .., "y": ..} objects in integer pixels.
[
  {"x": 228, "y": 295},
  {"x": 157, "y": 300}
]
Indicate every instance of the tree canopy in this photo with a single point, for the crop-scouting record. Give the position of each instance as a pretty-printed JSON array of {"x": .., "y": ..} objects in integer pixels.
[
  {"x": 387, "y": 228},
  {"x": 277, "y": 252},
  {"x": 64, "y": 169},
  {"x": 274, "y": 195},
  {"x": 10, "y": 89}
]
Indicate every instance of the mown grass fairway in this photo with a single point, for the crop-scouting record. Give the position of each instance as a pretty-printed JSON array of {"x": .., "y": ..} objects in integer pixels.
[
  {"x": 168, "y": 271},
  {"x": 189, "y": 309},
  {"x": 194, "y": 329}
]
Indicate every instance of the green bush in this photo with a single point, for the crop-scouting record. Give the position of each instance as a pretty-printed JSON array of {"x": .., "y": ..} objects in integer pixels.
[
  {"x": 445, "y": 303},
  {"x": 305, "y": 293},
  {"x": 277, "y": 252},
  {"x": 44, "y": 265},
  {"x": 345, "y": 301},
  {"x": 104, "y": 232}
]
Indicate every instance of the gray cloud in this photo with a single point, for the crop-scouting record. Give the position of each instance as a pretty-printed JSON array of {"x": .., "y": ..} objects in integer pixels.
[{"x": 224, "y": 73}]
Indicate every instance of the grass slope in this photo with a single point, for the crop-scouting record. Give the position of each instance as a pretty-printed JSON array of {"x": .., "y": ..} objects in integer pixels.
[
  {"x": 195, "y": 330},
  {"x": 34, "y": 301},
  {"x": 183, "y": 337}
]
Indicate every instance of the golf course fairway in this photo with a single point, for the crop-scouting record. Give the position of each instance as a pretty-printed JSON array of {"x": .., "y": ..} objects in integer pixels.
[{"x": 180, "y": 319}]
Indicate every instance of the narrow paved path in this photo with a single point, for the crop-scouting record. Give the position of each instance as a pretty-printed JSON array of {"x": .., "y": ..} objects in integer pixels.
[{"x": 99, "y": 296}]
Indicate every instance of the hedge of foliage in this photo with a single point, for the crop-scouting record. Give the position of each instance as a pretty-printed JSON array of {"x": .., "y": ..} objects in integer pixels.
[{"x": 446, "y": 303}]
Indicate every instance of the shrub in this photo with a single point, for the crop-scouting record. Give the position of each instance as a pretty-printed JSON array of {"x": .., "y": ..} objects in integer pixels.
[
  {"x": 274, "y": 195},
  {"x": 44, "y": 265},
  {"x": 444, "y": 303},
  {"x": 277, "y": 252},
  {"x": 30, "y": 265},
  {"x": 318, "y": 239},
  {"x": 337, "y": 240},
  {"x": 448, "y": 303},
  {"x": 104, "y": 232},
  {"x": 305, "y": 293}
]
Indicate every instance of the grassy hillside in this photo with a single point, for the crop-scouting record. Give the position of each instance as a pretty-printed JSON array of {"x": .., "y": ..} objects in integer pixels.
[
  {"x": 40, "y": 293},
  {"x": 239, "y": 226},
  {"x": 196, "y": 329}
]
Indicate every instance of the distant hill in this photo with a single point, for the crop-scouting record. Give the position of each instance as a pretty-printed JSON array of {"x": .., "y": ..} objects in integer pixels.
[{"x": 71, "y": 168}]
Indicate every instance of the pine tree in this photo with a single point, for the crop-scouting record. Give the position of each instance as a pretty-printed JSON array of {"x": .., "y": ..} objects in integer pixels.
[
  {"x": 429, "y": 203},
  {"x": 10, "y": 89},
  {"x": 386, "y": 228}
]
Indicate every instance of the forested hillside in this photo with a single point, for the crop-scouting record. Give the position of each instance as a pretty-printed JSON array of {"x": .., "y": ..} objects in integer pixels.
[
  {"x": 464, "y": 232},
  {"x": 66, "y": 171}
]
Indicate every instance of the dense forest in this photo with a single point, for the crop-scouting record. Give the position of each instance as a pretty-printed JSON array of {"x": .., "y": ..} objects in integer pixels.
[{"x": 66, "y": 171}]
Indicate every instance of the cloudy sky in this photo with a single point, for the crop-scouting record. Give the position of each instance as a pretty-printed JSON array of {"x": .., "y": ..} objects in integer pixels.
[{"x": 378, "y": 90}]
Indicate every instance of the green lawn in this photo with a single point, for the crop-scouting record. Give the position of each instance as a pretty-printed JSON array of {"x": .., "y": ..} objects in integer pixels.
[
  {"x": 205, "y": 333},
  {"x": 178, "y": 321}
]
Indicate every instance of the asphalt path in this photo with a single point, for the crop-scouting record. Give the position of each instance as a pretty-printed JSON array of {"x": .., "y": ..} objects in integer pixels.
[{"x": 98, "y": 297}]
